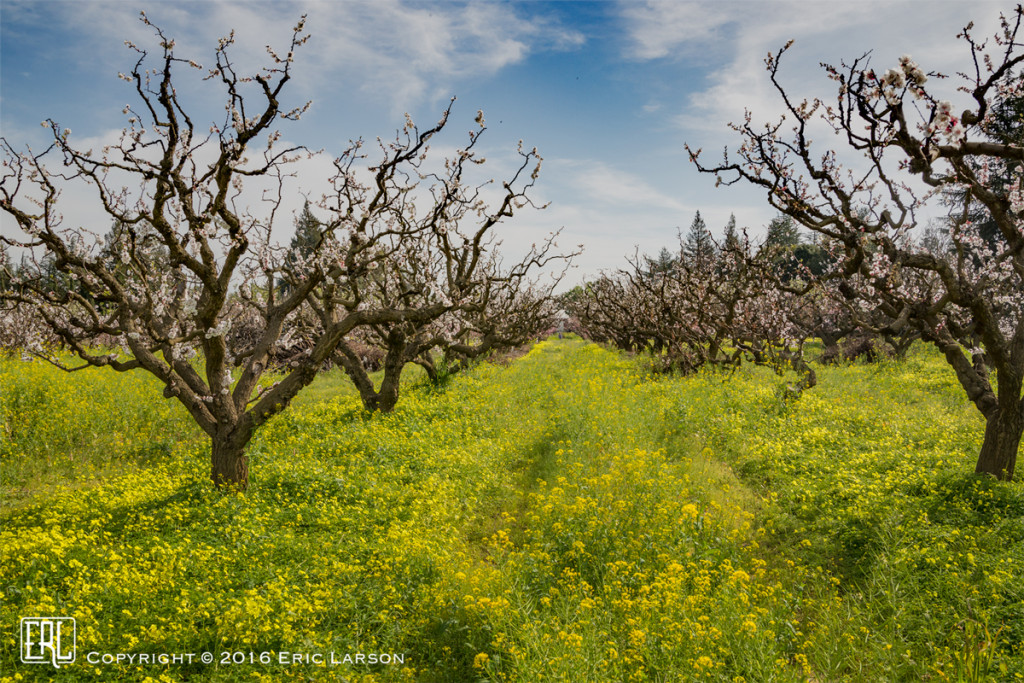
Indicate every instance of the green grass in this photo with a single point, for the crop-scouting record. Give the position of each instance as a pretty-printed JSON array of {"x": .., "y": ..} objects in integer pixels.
[
  {"x": 868, "y": 476},
  {"x": 71, "y": 430},
  {"x": 568, "y": 517}
]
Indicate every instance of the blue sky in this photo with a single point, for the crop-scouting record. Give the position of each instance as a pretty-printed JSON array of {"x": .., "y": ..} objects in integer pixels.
[{"x": 607, "y": 91}]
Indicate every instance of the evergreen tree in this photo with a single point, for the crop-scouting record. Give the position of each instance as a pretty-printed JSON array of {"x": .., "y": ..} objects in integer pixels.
[
  {"x": 812, "y": 257},
  {"x": 662, "y": 263},
  {"x": 787, "y": 252},
  {"x": 7, "y": 269},
  {"x": 782, "y": 233},
  {"x": 1004, "y": 125},
  {"x": 304, "y": 242},
  {"x": 732, "y": 237},
  {"x": 699, "y": 248},
  {"x": 307, "y": 232},
  {"x": 936, "y": 241}
]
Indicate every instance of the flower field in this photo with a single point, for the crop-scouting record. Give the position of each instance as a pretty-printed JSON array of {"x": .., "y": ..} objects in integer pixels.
[{"x": 566, "y": 517}]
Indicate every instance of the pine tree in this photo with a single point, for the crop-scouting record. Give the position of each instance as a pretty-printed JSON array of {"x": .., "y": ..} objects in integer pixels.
[
  {"x": 304, "y": 242},
  {"x": 732, "y": 237},
  {"x": 7, "y": 269},
  {"x": 307, "y": 232},
  {"x": 699, "y": 248},
  {"x": 662, "y": 263},
  {"x": 1005, "y": 125},
  {"x": 782, "y": 233}
]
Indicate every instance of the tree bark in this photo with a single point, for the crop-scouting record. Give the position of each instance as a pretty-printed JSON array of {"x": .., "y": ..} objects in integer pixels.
[
  {"x": 230, "y": 464},
  {"x": 900, "y": 344},
  {"x": 428, "y": 365},
  {"x": 384, "y": 399},
  {"x": 1003, "y": 431},
  {"x": 830, "y": 351},
  {"x": 394, "y": 362}
]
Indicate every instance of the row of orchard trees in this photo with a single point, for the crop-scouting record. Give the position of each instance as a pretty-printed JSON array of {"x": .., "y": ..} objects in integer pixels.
[
  {"x": 190, "y": 287},
  {"x": 876, "y": 269},
  {"x": 716, "y": 303},
  {"x": 712, "y": 303}
]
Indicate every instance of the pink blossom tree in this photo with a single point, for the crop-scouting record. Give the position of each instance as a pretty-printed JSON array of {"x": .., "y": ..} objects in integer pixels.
[{"x": 966, "y": 300}]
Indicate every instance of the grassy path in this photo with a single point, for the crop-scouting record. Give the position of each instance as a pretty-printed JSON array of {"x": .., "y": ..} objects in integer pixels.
[{"x": 633, "y": 558}]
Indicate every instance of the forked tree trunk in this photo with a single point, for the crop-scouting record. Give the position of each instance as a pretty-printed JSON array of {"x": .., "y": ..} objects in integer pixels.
[
  {"x": 230, "y": 463},
  {"x": 900, "y": 344},
  {"x": 1003, "y": 430},
  {"x": 830, "y": 351},
  {"x": 386, "y": 398},
  {"x": 1003, "y": 408}
]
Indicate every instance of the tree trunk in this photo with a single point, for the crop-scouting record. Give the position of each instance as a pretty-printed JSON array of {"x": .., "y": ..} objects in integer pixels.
[
  {"x": 394, "y": 362},
  {"x": 830, "y": 351},
  {"x": 428, "y": 365},
  {"x": 374, "y": 400},
  {"x": 1003, "y": 430},
  {"x": 900, "y": 344},
  {"x": 230, "y": 462},
  {"x": 795, "y": 358}
]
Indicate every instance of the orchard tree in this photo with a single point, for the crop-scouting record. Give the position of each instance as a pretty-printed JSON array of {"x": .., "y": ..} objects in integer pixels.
[
  {"x": 698, "y": 313},
  {"x": 604, "y": 309},
  {"x": 189, "y": 258},
  {"x": 467, "y": 310},
  {"x": 967, "y": 300},
  {"x": 509, "y": 313}
]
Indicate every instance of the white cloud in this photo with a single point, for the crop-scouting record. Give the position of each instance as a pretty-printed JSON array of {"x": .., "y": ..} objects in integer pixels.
[
  {"x": 741, "y": 35},
  {"x": 393, "y": 51},
  {"x": 660, "y": 28},
  {"x": 601, "y": 183},
  {"x": 376, "y": 60}
]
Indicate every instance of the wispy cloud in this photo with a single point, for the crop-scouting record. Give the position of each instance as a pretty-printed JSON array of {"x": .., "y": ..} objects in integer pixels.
[
  {"x": 659, "y": 28},
  {"x": 603, "y": 184},
  {"x": 396, "y": 52},
  {"x": 616, "y": 172},
  {"x": 743, "y": 33}
]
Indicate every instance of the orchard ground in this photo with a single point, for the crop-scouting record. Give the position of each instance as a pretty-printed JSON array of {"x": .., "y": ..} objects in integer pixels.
[{"x": 568, "y": 516}]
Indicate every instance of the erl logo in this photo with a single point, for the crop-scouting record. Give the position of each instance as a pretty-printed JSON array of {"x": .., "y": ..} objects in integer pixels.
[{"x": 48, "y": 639}]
